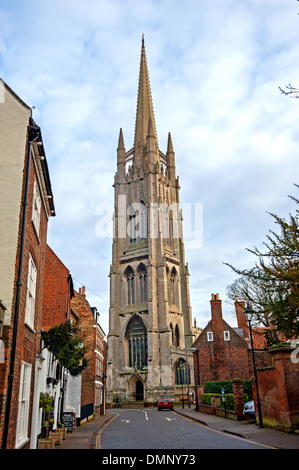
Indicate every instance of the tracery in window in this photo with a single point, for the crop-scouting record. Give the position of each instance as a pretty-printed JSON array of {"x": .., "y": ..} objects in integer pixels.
[
  {"x": 182, "y": 372},
  {"x": 137, "y": 343}
]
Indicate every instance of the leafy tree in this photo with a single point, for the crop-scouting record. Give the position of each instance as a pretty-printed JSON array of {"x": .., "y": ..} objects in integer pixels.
[
  {"x": 65, "y": 342},
  {"x": 271, "y": 287}
]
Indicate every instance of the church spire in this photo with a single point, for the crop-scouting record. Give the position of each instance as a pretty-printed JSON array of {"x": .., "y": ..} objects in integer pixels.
[{"x": 145, "y": 111}]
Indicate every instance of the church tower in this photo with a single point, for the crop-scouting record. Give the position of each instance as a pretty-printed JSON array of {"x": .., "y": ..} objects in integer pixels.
[{"x": 150, "y": 324}]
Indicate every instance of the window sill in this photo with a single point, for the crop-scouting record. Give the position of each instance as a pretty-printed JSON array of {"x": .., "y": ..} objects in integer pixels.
[
  {"x": 30, "y": 327},
  {"x": 36, "y": 232},
  {"x": 22, "y": 443}
]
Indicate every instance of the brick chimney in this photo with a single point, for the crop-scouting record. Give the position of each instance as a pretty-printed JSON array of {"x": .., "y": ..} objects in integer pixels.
[
  {"x": 82, "y": 291},
  {"x": 241, "y": 319},
  {"x": 216, "y": 310}
]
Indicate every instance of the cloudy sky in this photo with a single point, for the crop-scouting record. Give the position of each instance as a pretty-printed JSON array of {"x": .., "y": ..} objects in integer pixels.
[{"x": 215, "y": 67}]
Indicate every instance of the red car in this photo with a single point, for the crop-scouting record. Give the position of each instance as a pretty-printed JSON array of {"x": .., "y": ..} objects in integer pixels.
[{"x": 165, "y": 403}]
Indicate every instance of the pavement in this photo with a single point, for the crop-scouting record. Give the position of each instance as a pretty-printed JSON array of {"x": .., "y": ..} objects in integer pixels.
[
  {"x": 246, "y": 429},
  {"x": 87, "y": 435}
]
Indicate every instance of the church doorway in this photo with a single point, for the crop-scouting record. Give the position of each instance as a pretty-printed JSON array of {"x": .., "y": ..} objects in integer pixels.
[{"x": 139, "y": 390}]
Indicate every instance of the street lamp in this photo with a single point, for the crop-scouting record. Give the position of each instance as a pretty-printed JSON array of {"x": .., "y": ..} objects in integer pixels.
[
  {"x": 248, "y": 312},
  {"x": 196, "y": 377}
]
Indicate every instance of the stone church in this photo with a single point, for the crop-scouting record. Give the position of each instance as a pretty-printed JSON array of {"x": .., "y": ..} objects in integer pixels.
[{"x": 150, "y": 321}]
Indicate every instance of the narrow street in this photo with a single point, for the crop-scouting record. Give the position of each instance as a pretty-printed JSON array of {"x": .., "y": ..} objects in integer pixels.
[{"x": 151, "y": 429}]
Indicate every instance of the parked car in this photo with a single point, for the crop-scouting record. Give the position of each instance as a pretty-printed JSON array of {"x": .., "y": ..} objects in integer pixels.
[
  {"x": 249, "y": 409},
  {"x": 165, "y": 403}
]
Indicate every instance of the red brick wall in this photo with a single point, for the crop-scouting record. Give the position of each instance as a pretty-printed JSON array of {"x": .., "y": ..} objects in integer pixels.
[
  {"x": 56, "y": 296},
  {"x": 279, "y": 391}
]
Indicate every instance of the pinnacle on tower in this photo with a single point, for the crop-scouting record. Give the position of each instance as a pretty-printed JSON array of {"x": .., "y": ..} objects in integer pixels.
[
  {"x": 151, "y": 147},
  {"x": 121, "y": 144},
  {"x": 170, "y": 158},
  {"x": 121, "y": 155}
]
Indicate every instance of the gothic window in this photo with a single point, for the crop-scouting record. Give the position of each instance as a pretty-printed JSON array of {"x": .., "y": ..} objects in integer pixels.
[
  {"x": 176, "y": 336},
  {"x": 130, "y": 279},
  {"x": 137, "y": 343},
  {"x": 132, "y": 224},
  {"x": 173, "y": 286},
  {"x": 142, "y": 274},
  {"x": 172, "y": 334},
  {"x": 143, "y": 221},
  {"x": 137, "y": 221},
  {"x": 182, "y": 373}
]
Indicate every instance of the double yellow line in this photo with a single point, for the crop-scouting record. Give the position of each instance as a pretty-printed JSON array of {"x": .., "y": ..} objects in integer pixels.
[{"x": 99, "y": 433}]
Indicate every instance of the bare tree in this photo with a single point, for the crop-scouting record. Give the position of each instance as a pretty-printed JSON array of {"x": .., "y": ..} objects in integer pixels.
[{"x": 290, "y": 90}]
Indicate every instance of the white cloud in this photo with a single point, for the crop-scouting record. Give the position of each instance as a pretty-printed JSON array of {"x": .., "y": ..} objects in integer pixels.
[{"x": 215, "y": 68}]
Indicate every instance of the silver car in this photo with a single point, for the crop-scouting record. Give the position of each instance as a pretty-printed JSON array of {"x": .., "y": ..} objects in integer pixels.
[{"x": 249, "y": 409}]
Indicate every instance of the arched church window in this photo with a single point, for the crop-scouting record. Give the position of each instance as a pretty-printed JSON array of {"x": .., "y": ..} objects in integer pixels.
[
  {"x": 172, "y": 334},
  {"x": 142, "y": 274},
  {"x": 173, "y": 286},
  {"x": 132, "y": 224},
  {"x": 143, "y": 221},
  {"x": 137, "y": 343},
  {"x": 129, "y": 275},
  {"x": 182, "y": 373},
  {"x": 137, "y": 221},
  {"x": 176, "y": 336}
]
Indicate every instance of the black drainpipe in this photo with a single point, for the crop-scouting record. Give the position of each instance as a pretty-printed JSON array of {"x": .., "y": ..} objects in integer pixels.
[{"x": 33, "y": 135}]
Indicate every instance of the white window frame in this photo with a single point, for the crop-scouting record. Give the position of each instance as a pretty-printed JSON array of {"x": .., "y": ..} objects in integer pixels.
[
  {"x": 210, "y": 336},
  {"x": 226, "y": 335},
  {"x": 31, "y": 291},
  {"x": 36, "y": 208},
  {"x": 23, "y": 407}
]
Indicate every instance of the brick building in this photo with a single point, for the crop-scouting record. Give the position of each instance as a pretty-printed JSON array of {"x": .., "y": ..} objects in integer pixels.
[
  {"x": 223, "y": 352},
  {"x": 94, "y": 376},
  {"x": 26, "y": 202},
  {"x": 58, "y": 292},
  {"x": 55, "y": 381}
]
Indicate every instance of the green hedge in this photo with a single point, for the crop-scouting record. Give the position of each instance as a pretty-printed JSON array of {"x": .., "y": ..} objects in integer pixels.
[
  {"x": 216, "y": 387},
  {"x": 206, "y": 398},
  {"x": 229, "y": 402}
]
